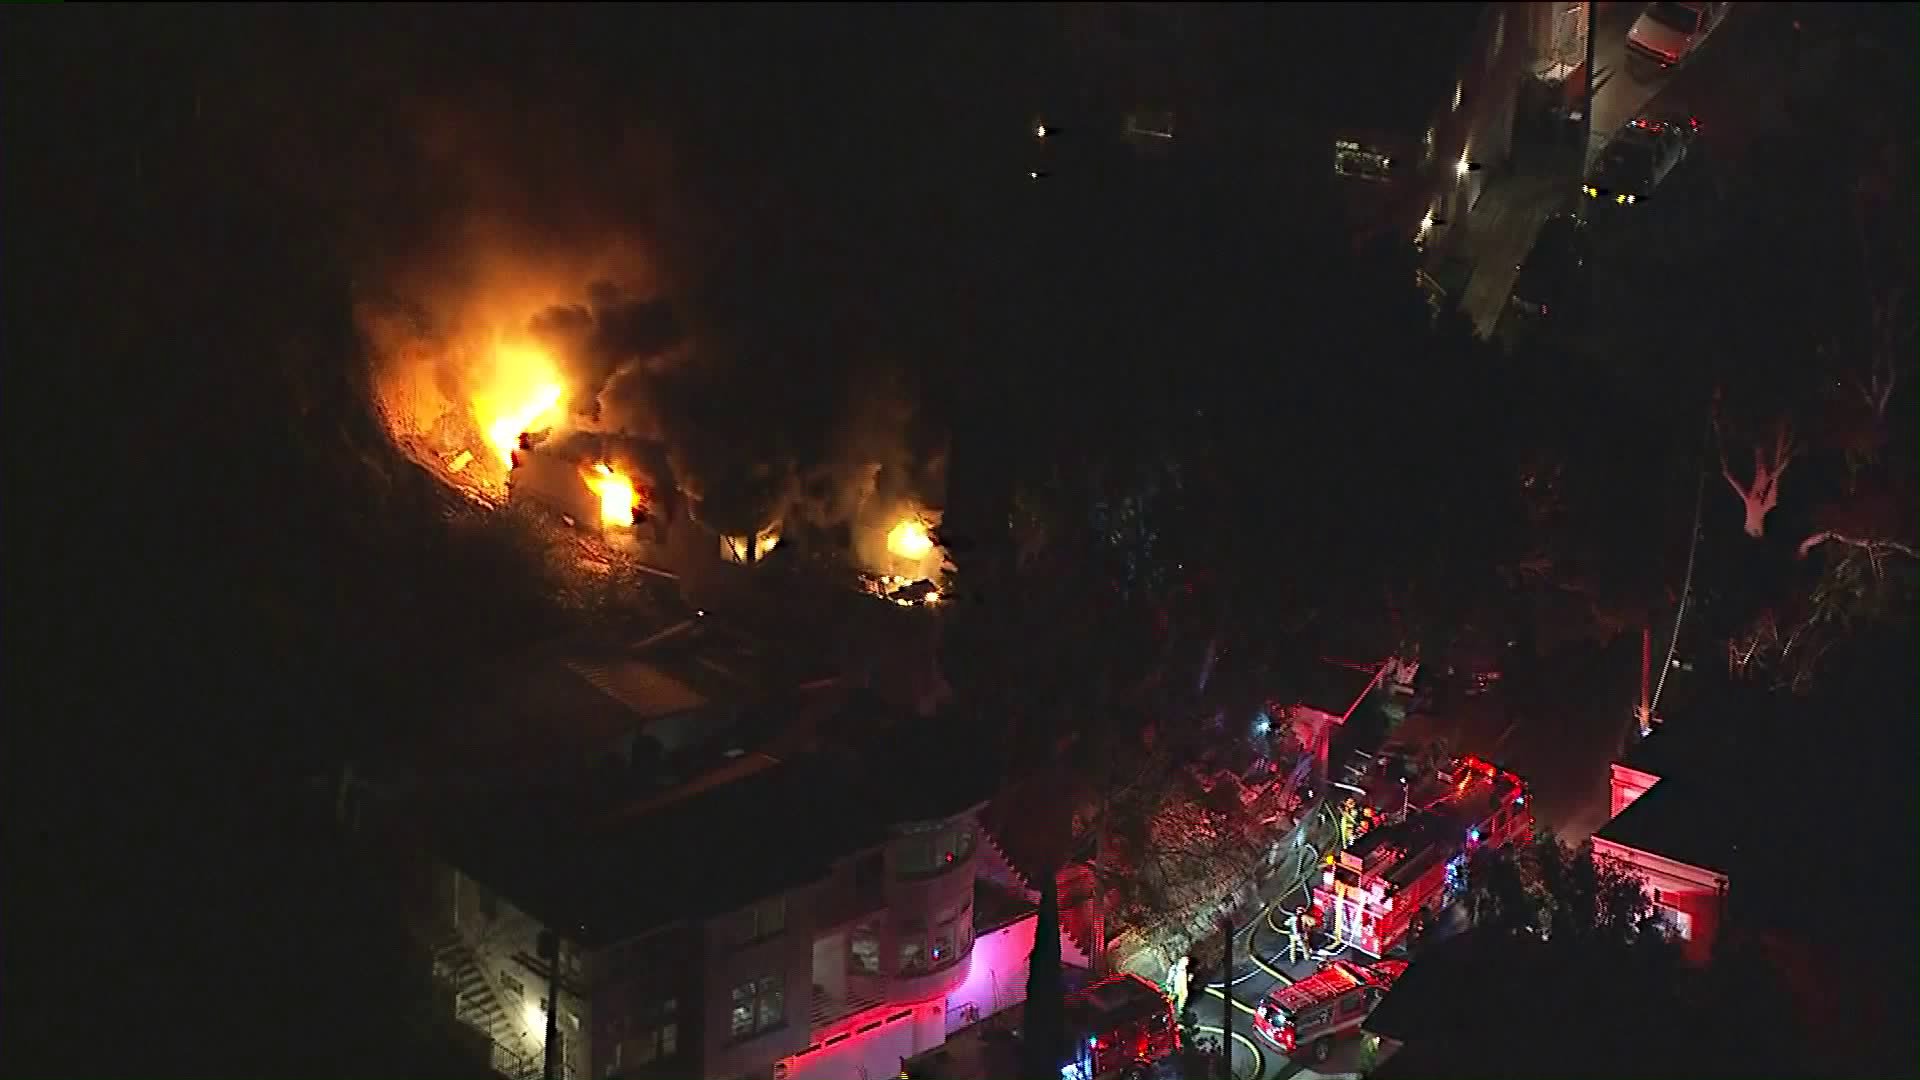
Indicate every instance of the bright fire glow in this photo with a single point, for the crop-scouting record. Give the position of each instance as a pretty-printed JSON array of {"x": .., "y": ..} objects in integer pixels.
[
  {"x": 615, "y": 492},
  {"x": 525, "y": 394},
  {"x": 909, "y": 540}
]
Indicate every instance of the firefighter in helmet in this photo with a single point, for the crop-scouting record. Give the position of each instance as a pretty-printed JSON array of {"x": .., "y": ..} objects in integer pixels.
[{"x": 1298, "y": 923}]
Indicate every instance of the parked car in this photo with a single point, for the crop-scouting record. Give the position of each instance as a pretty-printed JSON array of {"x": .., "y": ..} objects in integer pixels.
[
  {"x": 1666, "y": 35},
  {"x": 1641, "y": 154},
  {"x": 1555, "y": 280}
]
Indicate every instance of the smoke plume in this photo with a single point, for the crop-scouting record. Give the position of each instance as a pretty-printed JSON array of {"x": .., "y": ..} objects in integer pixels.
[{"x": 546, "y": 201}]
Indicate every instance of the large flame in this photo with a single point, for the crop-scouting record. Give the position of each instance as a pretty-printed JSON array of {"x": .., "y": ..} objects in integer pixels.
[
  {"x": 909, "y": 540},
  {"x": 525, "y": 394},
  {"x": 615, "y": 492}
]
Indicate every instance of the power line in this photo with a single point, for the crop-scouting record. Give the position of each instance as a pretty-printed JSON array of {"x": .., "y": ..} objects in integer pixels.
[{"x": 1686, "y": 587}]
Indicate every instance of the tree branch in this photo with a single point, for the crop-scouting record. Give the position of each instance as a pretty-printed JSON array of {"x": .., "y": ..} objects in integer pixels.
[{"x": 1870, "y": 546}]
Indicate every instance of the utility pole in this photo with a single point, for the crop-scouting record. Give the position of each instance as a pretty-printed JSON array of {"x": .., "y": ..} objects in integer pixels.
[
  {"x": 1586, "y": 93},
  {"x": 1646, "y": 678},
  {"x": 1226, "y": 997},
  {"x": 555, "y": 1068}
]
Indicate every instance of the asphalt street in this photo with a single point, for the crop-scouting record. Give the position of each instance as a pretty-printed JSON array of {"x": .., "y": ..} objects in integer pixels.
[
  {"x": 1260, "y": 965},
  {"x": 1735, "y": 86}
]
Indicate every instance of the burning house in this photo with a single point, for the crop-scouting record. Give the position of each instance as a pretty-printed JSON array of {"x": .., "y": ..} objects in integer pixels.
[
  {"x": 575, "y": 476},
  {"x": 900, "y": 559}
]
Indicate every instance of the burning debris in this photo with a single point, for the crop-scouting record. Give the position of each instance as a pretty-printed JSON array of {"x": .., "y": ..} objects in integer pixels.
[
  {"x": 909, "y": 565},
  {"x": 749, "y": 550},
  {"x": 904, "y": 591}
]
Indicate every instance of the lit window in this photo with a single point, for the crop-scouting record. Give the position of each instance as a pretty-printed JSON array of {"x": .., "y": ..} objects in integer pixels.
[
  {"x": 913, "y": 956},
  {"x": 1352, "y": 159},
  {"x": 863, "y": 951},
  {"x": 942, "y": 946},
  {"x": 1678, "y": 924},
  {"x": 758, "y": 1006}
]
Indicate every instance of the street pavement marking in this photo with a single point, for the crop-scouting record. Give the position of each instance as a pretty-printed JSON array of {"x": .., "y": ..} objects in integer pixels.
[
  {"x": 1237, "y": 1003},
  {"x": 1259, "y": 1059}
]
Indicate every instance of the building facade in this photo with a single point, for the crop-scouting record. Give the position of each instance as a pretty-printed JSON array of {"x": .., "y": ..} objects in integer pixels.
[
  {"x": 1669, "y": 835},
  {"x": 878, "y": 958}
]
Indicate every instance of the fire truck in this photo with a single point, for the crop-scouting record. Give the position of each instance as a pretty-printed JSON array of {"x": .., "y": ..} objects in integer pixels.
[
  {"x": 1118, "y": 1023},
  {"x": 1372, "y": 893},
  {"x": 1331, "y": 1002}
]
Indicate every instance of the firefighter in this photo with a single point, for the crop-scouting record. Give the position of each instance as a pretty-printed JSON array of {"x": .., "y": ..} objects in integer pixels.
[
  {"x": 1297, "y": 935},
  {"x": 1349, "y": 819}
]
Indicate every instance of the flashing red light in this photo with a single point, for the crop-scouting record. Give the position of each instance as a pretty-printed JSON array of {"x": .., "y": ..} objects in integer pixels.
[
  {"x": 1543, "y": 309},
  {"x": 949, "y": 856}
]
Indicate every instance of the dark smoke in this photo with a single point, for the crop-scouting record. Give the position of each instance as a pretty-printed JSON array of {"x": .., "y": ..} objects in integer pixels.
[{"x": 611, "y": 347}]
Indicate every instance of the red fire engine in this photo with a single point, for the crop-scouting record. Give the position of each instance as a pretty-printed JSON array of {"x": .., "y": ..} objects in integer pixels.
[
  {"x": 1118, "y": 1022},
  {"x": 1371, "y": 893},
  {"x": 1334, "y": 1001}
]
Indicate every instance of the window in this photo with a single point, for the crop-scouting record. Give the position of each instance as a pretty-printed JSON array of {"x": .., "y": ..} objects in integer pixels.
[
  {"x": 656, "y": 1037},
  {"x": 1682, "y": 17},
  {"x": 515, "y": 991},
  {"x": 916, "y": 855},
  {"x": 1677, "y": 923},
  {"x": 941, "y": 949},
  {"x": 763, "y": 920},
  {"x": 913, "y": 955},
  {"x": 961, "y": 846},
  {"x": 1352, "y": 159},
  {"x": 759, "y": 1005},
  {"x": 863, "y": 950},
  {"x": 1354, "y": 1005}
]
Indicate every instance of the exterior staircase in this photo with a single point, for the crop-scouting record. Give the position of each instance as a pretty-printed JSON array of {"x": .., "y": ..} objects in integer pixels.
[
  {"x": 477, "y": 1004},
  {"x": 1078, "y": 893},
  {"x": 997, "y": 866}
]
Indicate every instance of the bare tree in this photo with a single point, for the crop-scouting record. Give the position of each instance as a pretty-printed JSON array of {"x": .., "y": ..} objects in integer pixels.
[{"x": 1771, "y": 457}]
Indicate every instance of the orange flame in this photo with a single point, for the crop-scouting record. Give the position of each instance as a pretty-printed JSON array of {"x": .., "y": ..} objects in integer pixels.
[
  {"x": 615, "y": 492},
  {"x": 909, "y": 540},
  {"x": 525, "y": 394}
]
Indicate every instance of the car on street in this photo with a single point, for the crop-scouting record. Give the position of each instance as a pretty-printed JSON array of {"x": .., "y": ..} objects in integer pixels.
[
  {"x": 1641, "y": 155},
  {"x": 1666, "y": 34},
  {"x": 1554, "y": 280}
]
